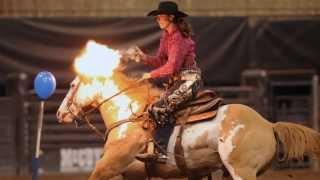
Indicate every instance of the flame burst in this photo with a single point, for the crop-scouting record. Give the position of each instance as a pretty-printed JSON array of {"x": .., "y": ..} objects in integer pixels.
[{"x": 98, "y": 60}]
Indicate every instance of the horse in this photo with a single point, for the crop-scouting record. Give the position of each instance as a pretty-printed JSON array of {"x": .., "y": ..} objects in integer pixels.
[{"x": 237, "y": 139}]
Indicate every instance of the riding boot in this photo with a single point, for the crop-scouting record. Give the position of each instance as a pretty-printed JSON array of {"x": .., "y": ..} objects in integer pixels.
[{"x": 162, "y": 136}]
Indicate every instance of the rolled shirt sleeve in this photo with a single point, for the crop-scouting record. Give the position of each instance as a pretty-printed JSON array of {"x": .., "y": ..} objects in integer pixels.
[
  {"x": 176, "y": 52},
  {"x": 160, "y": 58}
]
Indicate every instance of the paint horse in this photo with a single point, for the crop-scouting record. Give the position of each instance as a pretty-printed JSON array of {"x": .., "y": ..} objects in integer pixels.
[{"x": 238, "y": 139}]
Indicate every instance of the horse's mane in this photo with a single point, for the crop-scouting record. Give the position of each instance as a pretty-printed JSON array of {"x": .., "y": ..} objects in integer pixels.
[{"x": 144, "y": 92}]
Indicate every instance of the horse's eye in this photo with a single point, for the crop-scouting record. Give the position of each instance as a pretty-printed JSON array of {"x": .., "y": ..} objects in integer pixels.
[{"x": 72, "y": 85}]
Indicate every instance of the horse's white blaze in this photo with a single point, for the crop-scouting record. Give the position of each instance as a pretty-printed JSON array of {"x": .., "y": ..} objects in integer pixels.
[
  {"x": 226, "y": 147},
  {"x": 192, "y": 133}
]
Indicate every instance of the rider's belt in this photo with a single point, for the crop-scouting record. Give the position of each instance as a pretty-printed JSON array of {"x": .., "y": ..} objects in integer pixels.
[
  {"x": 190, "y": 75},
  {"x": 188, "y": 71}
]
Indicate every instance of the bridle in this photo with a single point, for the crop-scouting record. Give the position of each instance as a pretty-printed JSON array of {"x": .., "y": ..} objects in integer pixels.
[
  {"x": 104, "y": 136},
  {"x": 83, "y": 114}
]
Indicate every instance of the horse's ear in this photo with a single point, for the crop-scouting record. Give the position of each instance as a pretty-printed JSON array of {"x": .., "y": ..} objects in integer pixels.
[
  {"x": 85, "y": 79},
  {"x": 101, "y": 79}
]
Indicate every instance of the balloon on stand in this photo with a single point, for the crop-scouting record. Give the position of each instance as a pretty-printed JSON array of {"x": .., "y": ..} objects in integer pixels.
[{"x": 44, "y": 84}]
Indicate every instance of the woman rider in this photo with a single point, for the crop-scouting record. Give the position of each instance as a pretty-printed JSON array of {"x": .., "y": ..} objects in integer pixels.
[{"x": 176, "y": 60}]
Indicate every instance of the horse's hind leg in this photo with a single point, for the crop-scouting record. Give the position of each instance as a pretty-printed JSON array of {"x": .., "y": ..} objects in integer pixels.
[
  {"x": 248, "y": 174},
  {"x": 237, "y": 164},
  {"x": 242, "y": 173},
  {"x": 246, "y": 143},
  {"x": 239, "y": 171},
  {"x": 234, "y": 152}
]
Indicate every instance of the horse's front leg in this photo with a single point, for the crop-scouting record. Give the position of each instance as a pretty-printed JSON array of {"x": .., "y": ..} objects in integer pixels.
[{"x": 118, "y": 155}]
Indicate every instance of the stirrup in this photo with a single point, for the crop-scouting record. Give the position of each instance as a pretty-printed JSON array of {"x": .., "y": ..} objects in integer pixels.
[
  {"x": 151, "y": 157},
  {"x": 146, "y": 157}
]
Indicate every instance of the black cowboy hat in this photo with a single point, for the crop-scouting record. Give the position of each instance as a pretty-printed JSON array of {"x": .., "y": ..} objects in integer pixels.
[{"x": 167, "y": 7}]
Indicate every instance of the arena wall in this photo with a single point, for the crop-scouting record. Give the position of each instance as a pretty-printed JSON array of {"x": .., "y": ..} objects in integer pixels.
[{"x": 107, "y": 8}]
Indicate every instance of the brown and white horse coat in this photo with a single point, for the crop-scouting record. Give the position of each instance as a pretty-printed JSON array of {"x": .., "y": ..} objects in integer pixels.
[{"x": 238, "y": 138}]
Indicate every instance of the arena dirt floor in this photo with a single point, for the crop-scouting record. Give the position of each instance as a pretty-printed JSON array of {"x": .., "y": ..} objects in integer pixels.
[{"x": 269, "y": 175}]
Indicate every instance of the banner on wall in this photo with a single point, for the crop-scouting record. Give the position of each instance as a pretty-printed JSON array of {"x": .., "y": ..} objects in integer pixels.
[{"x": 79, "y": 159}]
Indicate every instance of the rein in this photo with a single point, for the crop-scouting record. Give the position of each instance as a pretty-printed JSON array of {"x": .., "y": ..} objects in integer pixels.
[
  {"x": 114, "y": 125},
  {"x": 116, "y": 94},
  {"x": 119, "y": 123}
]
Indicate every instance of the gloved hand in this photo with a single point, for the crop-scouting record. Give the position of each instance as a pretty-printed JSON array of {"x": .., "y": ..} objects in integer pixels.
[
  {"x": 146, "y": 76},
  {"x": 133, "y": 53}
]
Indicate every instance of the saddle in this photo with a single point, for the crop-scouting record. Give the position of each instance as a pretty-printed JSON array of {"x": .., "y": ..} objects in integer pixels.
[{"x": 203, "y": 107}]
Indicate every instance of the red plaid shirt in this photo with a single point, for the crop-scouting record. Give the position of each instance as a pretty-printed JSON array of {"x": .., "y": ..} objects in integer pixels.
[{"x": 172, "y": 53}]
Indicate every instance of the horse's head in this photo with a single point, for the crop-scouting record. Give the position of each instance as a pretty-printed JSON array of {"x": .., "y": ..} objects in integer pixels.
[
  {"x": 84, "y": 95},
  {"x": 81, "y": 95}
]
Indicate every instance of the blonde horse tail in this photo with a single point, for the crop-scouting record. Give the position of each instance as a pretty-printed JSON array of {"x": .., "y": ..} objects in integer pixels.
[{"x": 297, "y": 140}]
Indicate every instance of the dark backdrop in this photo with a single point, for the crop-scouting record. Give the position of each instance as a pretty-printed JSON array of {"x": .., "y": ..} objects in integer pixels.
[{"x": 225, "y": 46}]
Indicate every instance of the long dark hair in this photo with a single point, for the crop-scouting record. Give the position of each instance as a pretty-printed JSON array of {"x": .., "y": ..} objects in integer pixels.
[{"x": 183, "y": 26}]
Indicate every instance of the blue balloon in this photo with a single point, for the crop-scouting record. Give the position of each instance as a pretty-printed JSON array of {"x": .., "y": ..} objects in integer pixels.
[{"x": 44, "y": 84}]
